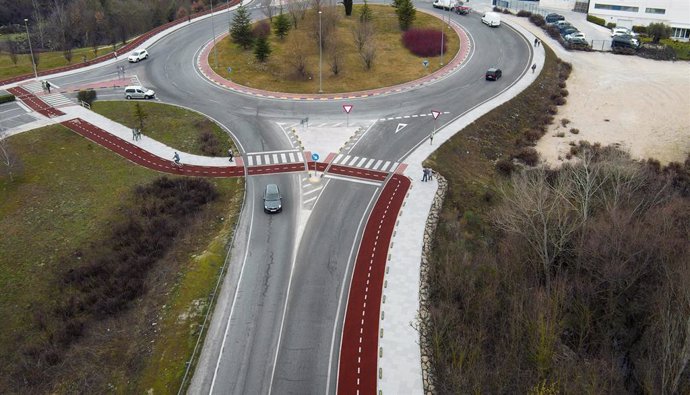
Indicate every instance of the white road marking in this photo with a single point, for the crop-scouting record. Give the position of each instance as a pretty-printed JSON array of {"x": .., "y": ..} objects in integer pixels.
[{"x": 358, "y": 180}]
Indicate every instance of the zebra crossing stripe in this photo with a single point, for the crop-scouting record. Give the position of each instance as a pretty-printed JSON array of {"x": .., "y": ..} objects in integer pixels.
[
  {"x": 283, "y": 158},
  {"x": 250, "y": 160},
  {"x": 368, "y": 165},
  {"x": 258, "y": 160},
  {"x": 385, "y": 165},
  {"x": 395, "y": 166},
  {"x": 300, "y": 157},
  {"x": 376, "y": 166},
  {"x": 344, "y": 162},
  {"x": 292, "y": 156},
  {"x": 361, "y": 162},
  {"x": 337, "y": 158},
  {"x": 275, "y": 158},
  {"x": 352, "y": 162},
  {"x": 267, "y": 160}
]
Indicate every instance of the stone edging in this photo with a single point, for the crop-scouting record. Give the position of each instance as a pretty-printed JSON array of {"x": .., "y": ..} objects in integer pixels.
[{"x": 423, "y": 319}]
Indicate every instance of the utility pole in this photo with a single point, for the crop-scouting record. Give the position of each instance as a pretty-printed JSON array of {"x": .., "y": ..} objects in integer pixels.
[
  {"x": 320, "y": 53},
  {"x": 33, "y": 62}
]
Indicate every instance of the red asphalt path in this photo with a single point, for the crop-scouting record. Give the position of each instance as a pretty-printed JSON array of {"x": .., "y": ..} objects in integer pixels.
[
  {"x": 145, "y": 158},
  {"x": 35, "y": 103},
  {"x": 359, "y": 348}
]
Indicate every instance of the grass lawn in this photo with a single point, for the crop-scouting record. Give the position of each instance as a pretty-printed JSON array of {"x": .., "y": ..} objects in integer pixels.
[
  {"x": 173, "y": 126},
  {"x": 46, "y": 60},
  {"x": 394, "y": 64},
  {"x": 68, "y": 195}
]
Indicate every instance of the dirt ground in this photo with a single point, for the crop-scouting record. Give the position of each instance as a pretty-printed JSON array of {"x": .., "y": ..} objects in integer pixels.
[{"x": 640, "y": 104}]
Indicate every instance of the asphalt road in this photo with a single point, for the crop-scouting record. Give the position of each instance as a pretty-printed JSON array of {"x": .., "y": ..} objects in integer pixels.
[{"x": 277, "y": 325}]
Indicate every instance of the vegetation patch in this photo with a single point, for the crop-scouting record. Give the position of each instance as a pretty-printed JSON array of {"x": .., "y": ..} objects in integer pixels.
[
  {"x": 71, "y": 209},
  {"x": 357, "y": 52},
  {"x": 528, "y": 302},
  {"x": 424, "y": 42},
  {"x": 176, "y": 127}
]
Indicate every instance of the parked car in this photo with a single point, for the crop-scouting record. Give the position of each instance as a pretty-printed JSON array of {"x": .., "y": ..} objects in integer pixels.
[
  {"x": 273, "y": 202},
  {"x": 553, "y": 18},
  {"x": 138, "y": 92},
  {"x": 561, "y": 23},
  {"x": 491, "y": 19},
  {"x": 444, "y": 4},
  {"x": 493, "y": 74},
  {"x": 622, "y": 31},
  {"x": 624, "y": 42},
  {"x": 137, "y": 55},
  {"x": 576, "y": 36},
  {"x": 461, "y": 9},
  {"x": 568, "y": 30}
]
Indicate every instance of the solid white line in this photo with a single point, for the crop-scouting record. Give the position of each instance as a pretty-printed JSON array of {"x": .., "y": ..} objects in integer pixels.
[
  {"x": 313, "y": 190},
  {"x": 340, "y": 300},
  {"x": 311, "y": 199},
  {"x": 368, "y": 165},
  {"x": 234, "y": 299},
  {"x": 353, "y": 180},
  {"x": 363, "y": 134},
  {"x": 270, "y": 152}
]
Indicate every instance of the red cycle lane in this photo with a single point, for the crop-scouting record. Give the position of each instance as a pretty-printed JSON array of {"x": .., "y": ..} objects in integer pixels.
[
  {"x": 359, "y": 348},
  {"x": 145, "y": 158},
  {"x": 35, "y": 103}
]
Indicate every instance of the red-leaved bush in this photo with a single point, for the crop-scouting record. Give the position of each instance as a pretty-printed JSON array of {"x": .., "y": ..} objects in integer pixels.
[{"x": 424, "y": 42}]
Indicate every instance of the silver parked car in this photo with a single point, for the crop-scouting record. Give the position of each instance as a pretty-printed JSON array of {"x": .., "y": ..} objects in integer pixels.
[{"x": 138, "y": 92}]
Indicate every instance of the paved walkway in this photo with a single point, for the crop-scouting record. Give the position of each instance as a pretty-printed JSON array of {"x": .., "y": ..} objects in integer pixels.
[{"x": 398, "y": 365}]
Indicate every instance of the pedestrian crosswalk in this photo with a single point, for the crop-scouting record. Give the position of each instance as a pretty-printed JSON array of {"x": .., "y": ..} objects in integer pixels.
[
  {"x": 54, "y": 99},
  {"x": 365, "y": 163},
  {"x": 274, "y": 158}
]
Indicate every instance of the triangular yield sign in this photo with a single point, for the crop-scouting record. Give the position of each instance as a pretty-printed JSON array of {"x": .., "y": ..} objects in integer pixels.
[
  {"x": 435, "y": 113},
  {"x": 347, "y": 108},
  {"x": 400, "y": 127}
]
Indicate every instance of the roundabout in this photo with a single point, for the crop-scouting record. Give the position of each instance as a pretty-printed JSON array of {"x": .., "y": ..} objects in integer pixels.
[{"x": 284, "y": 320}]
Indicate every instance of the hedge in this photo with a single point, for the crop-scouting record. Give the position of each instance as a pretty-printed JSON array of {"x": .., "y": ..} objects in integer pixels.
[
  {"x": 596, "y": 19},
  {"x": 6, "y": 98}
]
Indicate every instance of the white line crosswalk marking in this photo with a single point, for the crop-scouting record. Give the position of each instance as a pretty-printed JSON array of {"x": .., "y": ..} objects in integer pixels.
[
  {"x": 283, "y": 158},
  {"x": 368, "y": 165},
  {"x": 361, "y": 162},
  {"x": 353, "y": 161},
  {"x": 378, "y": 163},
  {"x": 250, "y": 161},
  {"x": 385, "y": 165}
]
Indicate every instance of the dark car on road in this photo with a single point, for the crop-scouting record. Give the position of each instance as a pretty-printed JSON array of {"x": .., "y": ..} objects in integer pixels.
[
  {"x": 273, "y": 202},
  {"x": 493, "y": 74}
]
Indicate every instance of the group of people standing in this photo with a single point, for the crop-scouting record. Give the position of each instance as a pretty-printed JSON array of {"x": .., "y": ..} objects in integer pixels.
[{"x": 428, "y": 174}]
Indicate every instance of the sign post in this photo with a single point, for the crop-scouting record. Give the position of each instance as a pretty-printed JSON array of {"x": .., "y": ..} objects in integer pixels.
[
  {"x": 435, "y": 114},
  {"x": 347, "y": 108},
  {"x": 314, "y": 157}
]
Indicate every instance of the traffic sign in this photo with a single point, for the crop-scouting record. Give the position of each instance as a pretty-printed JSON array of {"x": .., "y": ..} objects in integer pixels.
[
  {"x": 435, "y": 113},
  {"x": 314, "y": 156},
  {"x": 425, "y": 63},
  {"x": 347, "y": 108}
]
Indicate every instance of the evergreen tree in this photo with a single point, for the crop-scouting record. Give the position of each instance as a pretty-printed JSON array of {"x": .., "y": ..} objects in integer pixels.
[
  {"x": 365, "y": 13},
  {"x": 281, "y": 25},
  {"x": 241, "y": 29},
  {"x": 262, "y": 49},
  {"x": 406, "y": 14}
]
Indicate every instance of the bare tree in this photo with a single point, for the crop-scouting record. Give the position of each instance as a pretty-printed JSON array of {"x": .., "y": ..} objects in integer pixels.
[
  {"x": 328, "y": 23},
  {"x": 298, "y": 61},
  {"x": 537, "y": 212},
  {"x": 268, "y": 9},
  {"x": 10, "y": 162},
  {"x": 13, "y": 51},
  {"x": 368, "y": 54},
  {"x": 297, "y": 10},
  {"x": 362, "y": 33},
  {"x": 335, "y": 55}
]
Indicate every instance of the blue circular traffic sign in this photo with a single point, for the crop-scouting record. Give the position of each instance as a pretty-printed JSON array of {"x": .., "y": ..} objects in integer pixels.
[{"x": 314, "y": 156}]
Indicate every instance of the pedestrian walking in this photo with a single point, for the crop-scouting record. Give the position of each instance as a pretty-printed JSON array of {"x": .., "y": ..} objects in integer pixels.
[
  {"x": 43, "y": 85},
  {"x": 535, "y": 41},
  {"x": 538, "y": 43},
  {"x": 425, "y": 173},
  {"x": 230, "y": 154},
  {"x": 431, "y": 174},
  {"x": 48, "y": 86},
  {"x": 138, "y": 134},
  {"x": 134, "y": 134},
  {"x": 534, "y": 67},
  {"x": 115, "y": 53}
]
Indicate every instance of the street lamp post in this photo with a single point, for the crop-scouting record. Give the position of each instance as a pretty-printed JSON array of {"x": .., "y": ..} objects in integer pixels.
[
  {"x": 33, "y": 62},
  {"x": 213, "y": 30},
  {"x": 320, "y": 53}
]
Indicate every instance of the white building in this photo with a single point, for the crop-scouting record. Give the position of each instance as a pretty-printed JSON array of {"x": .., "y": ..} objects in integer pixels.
[{"x": 629, "y": 13}]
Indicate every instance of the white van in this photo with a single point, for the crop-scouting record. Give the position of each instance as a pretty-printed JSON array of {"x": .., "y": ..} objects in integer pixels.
[
  {"x": 492, "y": 19},
  {"x": 444, "y": 4}
]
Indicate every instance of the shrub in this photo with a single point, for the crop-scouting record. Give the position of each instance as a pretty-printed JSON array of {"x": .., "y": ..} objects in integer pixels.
[
  {"x": 657, "y": 31},
  {"x": 610, "y": 25},
  {"x": 406, "y": 14},
  {"x": 524, "y": 13},
  {"x": 6, "y": 98},
  {"x": 282, "y": 25},
  {"x": 565, "y": 122},
  {"x": 261, "y": 29},
  {"x": 505, "y": 166},
  {"x": 597, "y": 20},
  {"x": 562, "y": 84},
  {"x": 424, "y": 42},
  {"x": 507, "y": 11},
  {"x": 537, "y": 20},
  {"x": 560, "y": 134},
  {"x": 528, "y": 156},
  {"x": 564, "y": 92},
  {"x": 553, "y": 110},
  {"x": 533, "y": 135},
  {"x": 640, "y": 29},
  {"x": 560, "y": 100},
  {"x": 553, "y": 31},
  {"x": 574, "y": 131},
  {"x": 87, "y": 96}
]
